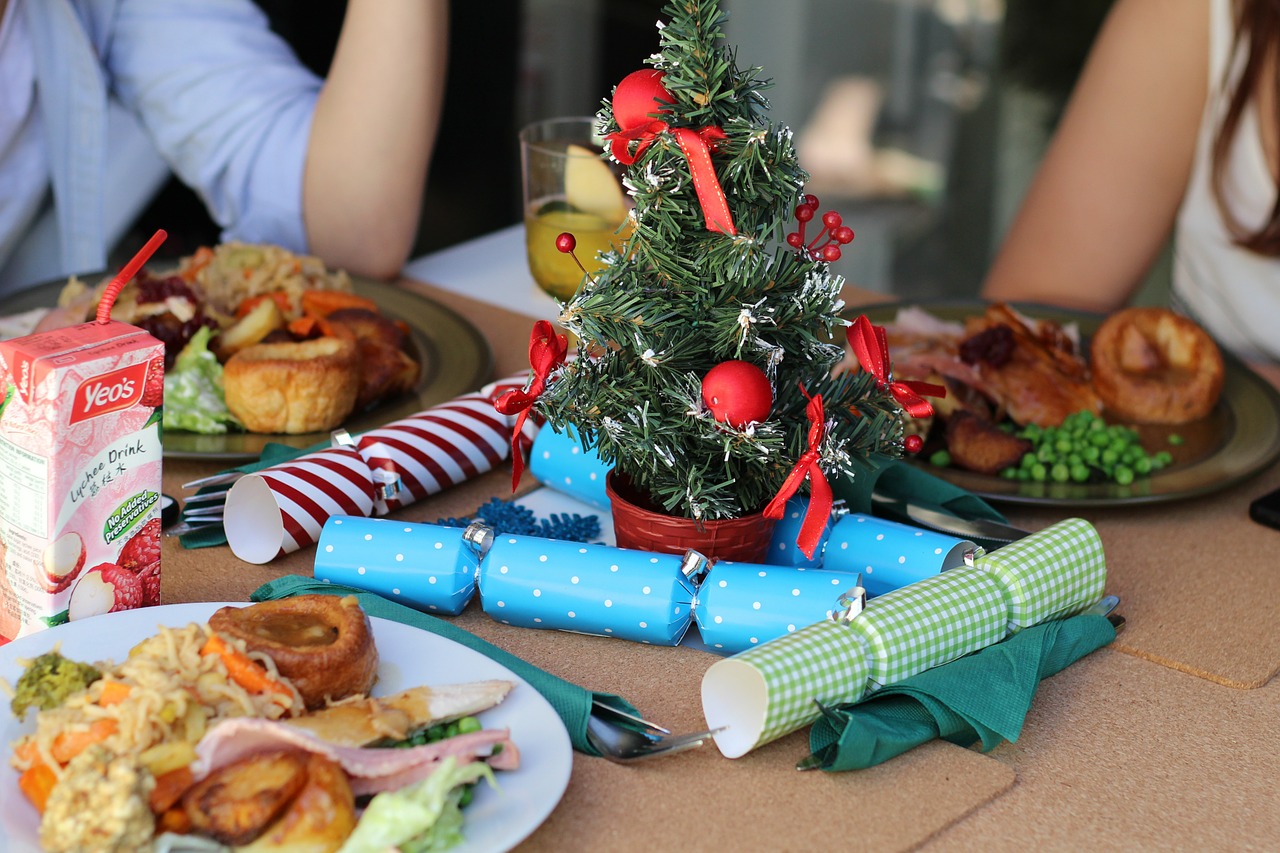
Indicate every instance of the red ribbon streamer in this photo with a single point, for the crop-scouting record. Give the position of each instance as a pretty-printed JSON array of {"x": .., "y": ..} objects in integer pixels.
[
  {"x": 872, "y": 349},
  {"x": 547, "y": 351},
  {"x": 820, "y": 499},
  {"x": 697, "y": 146}
]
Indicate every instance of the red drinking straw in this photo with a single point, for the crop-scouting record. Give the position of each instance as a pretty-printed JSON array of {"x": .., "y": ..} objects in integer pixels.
[{"x": 126, "y": 275}]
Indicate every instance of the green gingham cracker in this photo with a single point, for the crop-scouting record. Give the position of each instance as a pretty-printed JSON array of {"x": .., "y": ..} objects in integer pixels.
[
  {"x": 931, "y": 622},
  {"x": 1051, "y": 574},
  {"x": 826, "y": 661}
]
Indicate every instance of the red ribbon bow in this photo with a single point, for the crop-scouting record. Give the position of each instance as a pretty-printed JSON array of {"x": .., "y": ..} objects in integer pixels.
[
  {"x": 820, "y": 500},
  {"x": 872, "y": 349},
  {"x": 547, "y": 351},
  {"x": 697, "y": 146}
]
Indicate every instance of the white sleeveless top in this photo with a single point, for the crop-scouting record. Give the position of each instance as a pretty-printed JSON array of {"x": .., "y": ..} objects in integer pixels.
[{"x": 1233, "y": 293}]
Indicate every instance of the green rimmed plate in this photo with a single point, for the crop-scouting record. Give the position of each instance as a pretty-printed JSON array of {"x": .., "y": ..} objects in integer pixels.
[{"x": 1238, "y": 439}]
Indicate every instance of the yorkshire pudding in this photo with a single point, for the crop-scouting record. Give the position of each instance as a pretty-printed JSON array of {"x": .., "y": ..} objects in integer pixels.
[
  {"x": 1153, "y": 366},
  {"x": 321, "y": 643}
]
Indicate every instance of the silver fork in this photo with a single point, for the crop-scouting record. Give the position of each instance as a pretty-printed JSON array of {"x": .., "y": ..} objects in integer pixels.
[{"x": 623, "y": 745}]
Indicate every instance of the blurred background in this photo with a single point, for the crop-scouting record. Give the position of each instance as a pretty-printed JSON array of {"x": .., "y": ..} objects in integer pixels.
[{"x": 920, "y": 121}]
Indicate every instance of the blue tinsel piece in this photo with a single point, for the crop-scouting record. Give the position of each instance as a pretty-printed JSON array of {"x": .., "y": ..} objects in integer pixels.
[{"x": 519, "y": 520}]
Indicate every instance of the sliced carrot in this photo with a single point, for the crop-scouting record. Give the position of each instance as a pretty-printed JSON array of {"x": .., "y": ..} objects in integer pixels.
[
  {"x": 173, "y": 820},
  {"x": 67, "y": 745},
  {"x": 199, "y": 260},
  {"x": 242, "y": 669},
  {"x": 113, "y": 693},
  {"x": 304, "y": 327},
  {"x": 169, "y": 789},
  {"x": 26, "y": 752},
  {"x": 322, "y": 303},
  {"x": 36, "y": 782}
]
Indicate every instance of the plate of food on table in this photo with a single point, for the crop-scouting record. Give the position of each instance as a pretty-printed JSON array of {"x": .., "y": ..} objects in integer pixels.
[
  {"x": 296, "y": 724},
  {"x": 1050, "y": 406},
  {"x": 263, "y": 345}
]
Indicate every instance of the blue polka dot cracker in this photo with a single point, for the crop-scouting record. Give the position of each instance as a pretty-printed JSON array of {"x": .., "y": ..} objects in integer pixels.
[
  {"x": 743, "y": 605},
  {"x": 891, "y": 555},
  {"x": 560, "y": 462},
  {"x": 1053, "y": 573},
  {"x": 592, "y": 589},
  {"x": 426, "y": 566}
]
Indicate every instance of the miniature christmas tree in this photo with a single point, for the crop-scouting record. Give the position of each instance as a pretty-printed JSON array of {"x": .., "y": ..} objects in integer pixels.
[{"x": 706, "y": 346}]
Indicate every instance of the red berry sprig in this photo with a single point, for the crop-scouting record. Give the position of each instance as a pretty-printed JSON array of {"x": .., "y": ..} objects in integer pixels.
[
  {"x": 826, "y": 245},
  {"x": 566, "y": 243},
  {"x": 913, "y": 444}
]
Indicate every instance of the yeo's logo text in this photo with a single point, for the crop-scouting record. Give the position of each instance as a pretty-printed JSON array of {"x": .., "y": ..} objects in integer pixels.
[{"x": 109, "y": 392}]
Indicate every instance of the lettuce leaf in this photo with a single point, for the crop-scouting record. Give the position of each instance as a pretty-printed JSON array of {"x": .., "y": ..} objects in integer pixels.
[
  {"x": 421, "y": 817},
  {"x": 193, "y": 397}
]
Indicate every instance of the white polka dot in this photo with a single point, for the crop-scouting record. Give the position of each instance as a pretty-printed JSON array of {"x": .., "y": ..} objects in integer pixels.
[
  {"x": 653, "y": 559},
  {"x": 719, "y": 645},
  {"x": 537, "y": 593},
  {"x": 791, "y": 628},
  {"x": 719, "y": 619},
  {"x": 368, "y": 536},
  {"x": 919, "y": 533},
  {"x": 512, "y": 541},
  {"x": 755, "y": 605},
  {"x": 608, "y": 630},
  {"x": 542, "y": 558},
  {"x": 879, "y": 537},
  {"x": 399, "y": 558},
  {"x": 439, "y": 545},
  {"x": 326, "y": 580},
  {"x": 937, "y": 550},
  {"x": 502, "y": 604},
  {"x": 764, "y": 574},
  {"x": 844, "y": 545},
  {"x": 835, "y": 581},
  {"x": 431, "y": 579},
  {"x": 573, "y": 451},
  {"x": 395, "y": 591},
  {"x": 573, "y": 579},
  {"x": 608, "y": 602},
  {"x": 505, "y": 621},
  {"x": 360, "y": 570},
  {"x": 582, "y": 550},
  {"x": 795, "y": 515},
  {"x": 902, "y": 560},
  {"x": 644, "y": 624},
  {"x": 337, "y": 521},
  {"x": 408, "y": 530},
  {"x": 782, "y": 546},
  {"x": 568, "y": 481},
  {"x": 593, "y": 476},
  {"x": 546, "y": 454},
  {"x": 870, "y": 570},
  {"x": 502, "y": 570},
  {"x": 537, "y": 619},
  {"x": 329, "y": 548},
  {"x": 723, "y": 584},
  {"x": 677, "y": 611},
  {"x": 613, "y": 568},
  {"x": 795, "y": 592},
  {"x": 646, "y": 590},
  {"x": 572, "y": 614},
  {"x": 754, "y": 640}
]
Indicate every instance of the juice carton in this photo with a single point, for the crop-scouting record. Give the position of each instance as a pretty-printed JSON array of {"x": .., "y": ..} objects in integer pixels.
[{"x": 80, "y": 461}]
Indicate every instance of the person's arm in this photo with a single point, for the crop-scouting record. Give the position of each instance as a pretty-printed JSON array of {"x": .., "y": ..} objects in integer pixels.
[
  {"x": 372, "y": 135},
  {"x": 1106, "y": 195}
]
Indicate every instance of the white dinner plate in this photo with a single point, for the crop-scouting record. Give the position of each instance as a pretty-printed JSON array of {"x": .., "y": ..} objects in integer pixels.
[{"x": 496, "y": 820}]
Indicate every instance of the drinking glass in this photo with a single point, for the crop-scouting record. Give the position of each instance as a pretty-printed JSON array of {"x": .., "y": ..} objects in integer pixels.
[{"x": 569, "y": 188}]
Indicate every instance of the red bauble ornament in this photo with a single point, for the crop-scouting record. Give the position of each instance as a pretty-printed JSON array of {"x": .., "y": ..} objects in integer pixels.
[
  {"x": 637, "y": 96},
  {"x": 737, "y": 393},
  {"x": 566, "y": 243},
  {"x": 913, "y": 444}
]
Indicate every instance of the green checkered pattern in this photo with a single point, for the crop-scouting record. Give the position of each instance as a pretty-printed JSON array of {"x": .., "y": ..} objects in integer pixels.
[
  {"x": 931, "y": 622},
  {"x": 825, "y": 661},
  {"x": 1051, "y": 574}
]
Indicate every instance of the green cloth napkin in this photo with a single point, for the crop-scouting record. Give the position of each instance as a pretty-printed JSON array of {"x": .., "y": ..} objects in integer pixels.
[
  {"x": 983, "y": 697},
  {"x": 904, "y": 481},
  {"x": 571, "y": 702},
  {"x": 272, "y": 454}
]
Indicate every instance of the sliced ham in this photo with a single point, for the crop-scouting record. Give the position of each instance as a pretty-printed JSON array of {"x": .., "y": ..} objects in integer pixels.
[{"x": 371, "y": 770}]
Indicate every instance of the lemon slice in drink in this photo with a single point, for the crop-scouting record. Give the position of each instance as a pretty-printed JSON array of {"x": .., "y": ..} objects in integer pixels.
[{"x": 591, "y": 187}]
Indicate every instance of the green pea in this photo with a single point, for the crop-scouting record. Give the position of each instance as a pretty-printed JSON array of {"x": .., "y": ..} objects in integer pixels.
[
  {"x": 1175, "y": 439},
  {"x": 1039, "y": 472},
  {"x": 1079, "y": 473},
  {"x": 940, "y": 459},
  {"x": 469, "y": 724},
  {"x": 1060, "y": 472},
  {"x": 1123, "y": 475}
]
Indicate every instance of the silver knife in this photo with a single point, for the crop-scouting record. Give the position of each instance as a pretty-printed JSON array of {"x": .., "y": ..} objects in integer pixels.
[{"x": 965, "y": 528}]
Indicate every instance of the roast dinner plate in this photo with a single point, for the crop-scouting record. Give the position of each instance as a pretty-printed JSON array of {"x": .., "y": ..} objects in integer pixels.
[
  {"x": 495, "y": 820},
  {"x": 1238, "y": 439},
  {"x": 454, "y": 355}
]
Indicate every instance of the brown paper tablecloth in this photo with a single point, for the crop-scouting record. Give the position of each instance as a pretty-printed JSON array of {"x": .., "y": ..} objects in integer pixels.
[{"x": 1169, "y": 739}]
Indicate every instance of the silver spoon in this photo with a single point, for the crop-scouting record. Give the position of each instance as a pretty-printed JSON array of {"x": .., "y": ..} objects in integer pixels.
[{"x": 623, "y": 745}]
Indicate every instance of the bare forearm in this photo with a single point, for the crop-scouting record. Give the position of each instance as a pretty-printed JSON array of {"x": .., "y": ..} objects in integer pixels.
[{"x": 374, "y": 130}]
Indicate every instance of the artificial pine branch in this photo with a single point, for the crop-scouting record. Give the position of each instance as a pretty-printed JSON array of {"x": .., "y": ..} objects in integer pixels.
[{"x": 681, "y": 299}]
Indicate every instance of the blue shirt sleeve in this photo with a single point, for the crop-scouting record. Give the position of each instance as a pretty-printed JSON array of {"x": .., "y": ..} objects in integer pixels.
[{"x": 227, "y": 103}]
